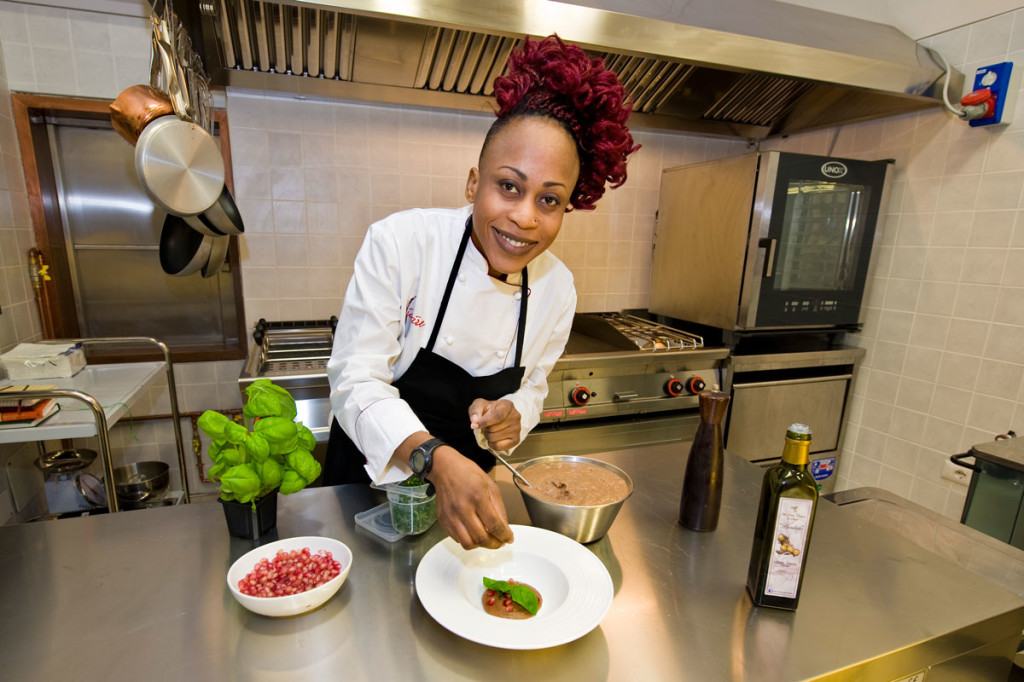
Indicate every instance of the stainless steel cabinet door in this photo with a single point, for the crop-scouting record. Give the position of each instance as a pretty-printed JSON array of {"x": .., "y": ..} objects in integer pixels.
[{"x": 761, "y": 412}]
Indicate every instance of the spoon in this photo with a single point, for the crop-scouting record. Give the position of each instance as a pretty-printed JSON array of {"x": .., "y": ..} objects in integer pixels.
[{"x": 510, "y": 468}]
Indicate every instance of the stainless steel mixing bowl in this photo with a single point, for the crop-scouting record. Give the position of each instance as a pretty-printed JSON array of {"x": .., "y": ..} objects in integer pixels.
[
  {"x": 582, "y": 524},
  {"x": 140, "y": 481}
]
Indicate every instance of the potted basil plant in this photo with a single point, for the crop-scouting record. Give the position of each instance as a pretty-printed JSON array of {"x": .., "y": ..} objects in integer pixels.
[{"x": 254, "y": 465}]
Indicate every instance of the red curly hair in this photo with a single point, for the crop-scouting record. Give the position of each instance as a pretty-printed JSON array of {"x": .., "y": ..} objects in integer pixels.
[{"x": 557, "y": 80}]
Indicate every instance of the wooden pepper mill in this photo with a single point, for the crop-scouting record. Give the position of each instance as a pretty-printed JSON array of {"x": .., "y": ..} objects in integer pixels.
[{"x": 702, "y": 486}]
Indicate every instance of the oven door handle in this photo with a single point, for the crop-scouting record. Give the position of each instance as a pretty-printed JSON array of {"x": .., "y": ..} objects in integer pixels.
[
  {"x": 769, "y": 259},
  {"x": 789, "y": 382}
]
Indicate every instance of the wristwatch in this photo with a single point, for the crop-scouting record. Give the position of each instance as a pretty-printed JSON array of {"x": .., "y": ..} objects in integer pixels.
[{"x": 421, "y": 459}]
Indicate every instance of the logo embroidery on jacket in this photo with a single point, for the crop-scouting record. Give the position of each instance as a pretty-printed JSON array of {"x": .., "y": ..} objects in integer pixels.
[{"x": 411, "y": 317}]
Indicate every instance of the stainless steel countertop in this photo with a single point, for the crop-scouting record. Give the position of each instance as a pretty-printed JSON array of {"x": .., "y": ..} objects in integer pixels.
[{"x": 142, "y": 595}]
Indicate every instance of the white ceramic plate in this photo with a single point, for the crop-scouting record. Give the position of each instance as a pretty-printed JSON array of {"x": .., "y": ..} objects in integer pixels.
[
  {"x": 575, "y": 587},
  {"x": 294, "y": 604}
]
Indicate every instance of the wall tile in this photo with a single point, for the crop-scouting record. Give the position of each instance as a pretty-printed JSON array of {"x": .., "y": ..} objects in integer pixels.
[
  {"x": 1004, "y": 343},
  {"x": 959, "y": 371},
  {"x": 936, "y": 298},
  {"x": 992, "y": 228},
  {"x": 975, "y": 301},
  {"x": 951, "y": 228},
  {"x": 990, "y": 39},
  {"x": 991, "y": 413},
  {"x": 983, "y": 266},
  {"x": 923, "y": 363},
  {"x": 951, "y": 404},
  {"x": 1001, "y": 190},
  {"x": 1010, "y": 306},
  {"x": 1000, "y": 379}
]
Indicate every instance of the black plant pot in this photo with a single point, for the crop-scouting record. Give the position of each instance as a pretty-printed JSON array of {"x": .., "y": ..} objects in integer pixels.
[{"x": 247, "y": 521}]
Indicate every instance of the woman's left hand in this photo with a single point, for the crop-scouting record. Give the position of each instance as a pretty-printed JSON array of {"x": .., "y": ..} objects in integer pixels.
[{"x": 498, "y": 420}]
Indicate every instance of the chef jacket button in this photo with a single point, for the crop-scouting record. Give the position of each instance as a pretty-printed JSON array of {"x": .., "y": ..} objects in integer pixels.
[
  {"x": 518, "y": 295},
  {"x": 449, "y": 340},
  {"x": 498, "y": 353},
  {"x": 462, "y": 278}
]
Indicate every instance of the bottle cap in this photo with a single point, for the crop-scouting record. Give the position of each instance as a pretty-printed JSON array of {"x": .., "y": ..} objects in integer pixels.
[{"x": 799, "y": 432}]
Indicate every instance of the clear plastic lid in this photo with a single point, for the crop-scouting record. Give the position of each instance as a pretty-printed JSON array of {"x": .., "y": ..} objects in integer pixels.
[{"x": 378, "y": 522}]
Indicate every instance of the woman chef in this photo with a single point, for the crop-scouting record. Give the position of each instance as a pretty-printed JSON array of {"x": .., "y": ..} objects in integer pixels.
[{"x": 453, "y": 318}]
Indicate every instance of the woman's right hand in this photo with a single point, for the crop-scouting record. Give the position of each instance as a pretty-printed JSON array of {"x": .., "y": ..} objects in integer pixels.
[{"x": 469, "y": 504}]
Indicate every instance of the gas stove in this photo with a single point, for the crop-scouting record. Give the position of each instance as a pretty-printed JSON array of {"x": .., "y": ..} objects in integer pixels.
[{"x": 618, "y": 364}]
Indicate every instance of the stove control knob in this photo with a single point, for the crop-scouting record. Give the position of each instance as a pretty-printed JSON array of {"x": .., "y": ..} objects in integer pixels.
[
  {"x": 695, "y": 385},
  {"x": 674, "y": 387},
  {"x": 579, "y": 396}
]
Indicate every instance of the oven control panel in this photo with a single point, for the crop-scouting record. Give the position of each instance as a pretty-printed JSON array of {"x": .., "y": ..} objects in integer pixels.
[{"x": 604, "y": 392}]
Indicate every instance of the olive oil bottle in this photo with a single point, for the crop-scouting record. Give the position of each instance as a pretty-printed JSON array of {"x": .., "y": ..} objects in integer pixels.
[{"x": 782, "y": 534}]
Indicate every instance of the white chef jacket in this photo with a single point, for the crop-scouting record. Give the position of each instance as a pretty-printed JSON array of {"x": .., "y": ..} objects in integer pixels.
[{"x": 389, "y": 313}]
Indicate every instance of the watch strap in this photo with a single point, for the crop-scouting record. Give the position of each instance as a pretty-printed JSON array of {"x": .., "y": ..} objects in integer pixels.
[{"x": 427, "y": 447}]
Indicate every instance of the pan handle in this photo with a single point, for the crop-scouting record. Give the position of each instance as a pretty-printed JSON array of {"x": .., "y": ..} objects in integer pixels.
[{"x": 958, "y": 460}]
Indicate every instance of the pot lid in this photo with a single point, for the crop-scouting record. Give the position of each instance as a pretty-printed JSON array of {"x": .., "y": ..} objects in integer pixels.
[{"x": 92, "y": 489}]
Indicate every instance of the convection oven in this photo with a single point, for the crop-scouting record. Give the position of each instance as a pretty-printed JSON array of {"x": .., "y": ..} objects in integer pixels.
[{"x": 769, "y": 240}]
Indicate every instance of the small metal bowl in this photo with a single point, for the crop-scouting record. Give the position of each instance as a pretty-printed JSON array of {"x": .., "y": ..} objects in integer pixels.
[
  {"x": 582, "y": 524},
  {"x": 140, "y": 481}
]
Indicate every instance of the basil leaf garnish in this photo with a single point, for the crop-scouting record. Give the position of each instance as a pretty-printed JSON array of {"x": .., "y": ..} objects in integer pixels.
[{"x": 520, "y": 594}]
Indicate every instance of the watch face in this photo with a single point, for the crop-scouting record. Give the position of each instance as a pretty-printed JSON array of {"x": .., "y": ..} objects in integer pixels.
[{"x": 417, "y": 460}]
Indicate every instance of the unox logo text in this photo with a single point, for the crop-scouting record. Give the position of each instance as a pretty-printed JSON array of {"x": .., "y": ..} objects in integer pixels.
[{"x": 833, "y": 169}]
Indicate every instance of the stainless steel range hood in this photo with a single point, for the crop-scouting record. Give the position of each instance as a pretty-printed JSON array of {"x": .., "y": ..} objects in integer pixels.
[{"x": 803, "y": 70}]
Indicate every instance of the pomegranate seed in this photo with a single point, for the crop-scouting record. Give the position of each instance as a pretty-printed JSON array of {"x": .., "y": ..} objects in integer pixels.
[
  {"x": 509, "y": 608},
  {"x": 490, "y": 601},
  {"x": 290, "y": 573}
]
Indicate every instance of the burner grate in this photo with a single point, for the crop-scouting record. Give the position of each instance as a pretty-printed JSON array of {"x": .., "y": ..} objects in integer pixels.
[{"x": 651, "y": 336}]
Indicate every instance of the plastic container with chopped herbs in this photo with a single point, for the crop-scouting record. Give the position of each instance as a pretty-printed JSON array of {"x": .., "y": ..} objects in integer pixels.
[{"x": 413, "y": 505}]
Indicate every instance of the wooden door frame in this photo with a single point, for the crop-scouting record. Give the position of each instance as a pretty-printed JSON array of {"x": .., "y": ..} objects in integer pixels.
[{"x": 60, "y": 321}]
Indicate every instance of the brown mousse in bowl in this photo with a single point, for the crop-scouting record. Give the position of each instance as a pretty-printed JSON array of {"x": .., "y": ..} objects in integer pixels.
[{"x": 578, "y": 497}]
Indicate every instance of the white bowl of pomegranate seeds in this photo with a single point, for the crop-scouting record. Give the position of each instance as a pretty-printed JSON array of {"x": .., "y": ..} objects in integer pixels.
[{"x": 290, "y": 577}]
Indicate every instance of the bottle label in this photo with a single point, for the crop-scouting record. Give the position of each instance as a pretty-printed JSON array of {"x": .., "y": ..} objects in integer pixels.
[{"x": 791, "y": 530}]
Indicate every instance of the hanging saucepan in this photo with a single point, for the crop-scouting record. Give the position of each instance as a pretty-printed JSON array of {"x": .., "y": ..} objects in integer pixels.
[
  {"x": 179, "y": 166},
  {"x": 182, "y": 249},
  {"x": 218, "y": 252},
  {"x": 135, "y": 108},
  {"x": 223, "y": 216}
]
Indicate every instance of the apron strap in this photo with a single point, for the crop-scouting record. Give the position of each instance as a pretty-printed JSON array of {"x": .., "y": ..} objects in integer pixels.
[
  {"x": 524, "y": 289},
  {"x": 451, "y": 283}
]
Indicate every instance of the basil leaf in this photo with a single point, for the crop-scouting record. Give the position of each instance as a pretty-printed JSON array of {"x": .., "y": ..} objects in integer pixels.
[
  {"x": 520, "y": 594},
  {"x": 306, "y": 438},
  {"x": 213, "y": 423},
  {"x": 292, "y": 482},
  {"x": 264, "y": 399},
  {"x": 241, "y": 480},
  {"x": 303, "y": 462}
]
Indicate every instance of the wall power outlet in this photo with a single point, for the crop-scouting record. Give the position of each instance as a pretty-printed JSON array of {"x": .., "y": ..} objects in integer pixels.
[{"x": 957, "y": 474}]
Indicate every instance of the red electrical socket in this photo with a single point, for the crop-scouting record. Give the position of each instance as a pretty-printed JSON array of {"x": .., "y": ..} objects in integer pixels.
[{"x": 981, "y": 103}]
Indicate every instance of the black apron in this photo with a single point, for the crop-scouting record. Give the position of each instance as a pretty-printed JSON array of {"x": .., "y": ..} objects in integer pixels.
[{"x": 439, "y": 392}]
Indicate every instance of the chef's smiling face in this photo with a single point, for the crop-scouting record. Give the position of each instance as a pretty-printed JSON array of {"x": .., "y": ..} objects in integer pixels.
[{"x": 521, "y": 191}]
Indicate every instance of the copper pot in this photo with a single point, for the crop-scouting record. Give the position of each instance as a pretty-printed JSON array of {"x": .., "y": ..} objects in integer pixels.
[{"x": 135, "y": 107}]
